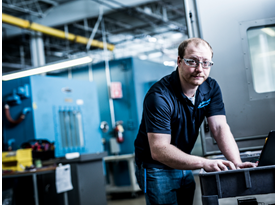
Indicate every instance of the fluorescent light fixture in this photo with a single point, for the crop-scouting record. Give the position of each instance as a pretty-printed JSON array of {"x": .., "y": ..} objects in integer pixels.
[
  {"x": 155, "y": 55},
  {"x": 143, "y": 57},
  {"x": 161, "y": 41},
  {"x": 48, "y": 68},
  {"x": 269, "y": 31},
  {"x": 172, "y": 26},
  {"x": 152, "y": 39},
  {"x": 177, "y": 35}
]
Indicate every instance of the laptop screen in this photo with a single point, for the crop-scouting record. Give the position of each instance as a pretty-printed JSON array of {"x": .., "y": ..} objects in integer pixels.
[{"x": 268, "y": 153}]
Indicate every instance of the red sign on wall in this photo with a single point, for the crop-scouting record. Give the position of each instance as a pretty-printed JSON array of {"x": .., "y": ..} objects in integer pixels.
[{"x": 116, "y": 90}]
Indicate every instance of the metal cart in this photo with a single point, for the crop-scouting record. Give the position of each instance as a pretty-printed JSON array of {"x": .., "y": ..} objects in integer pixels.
[{"x": 232, "y": 183}]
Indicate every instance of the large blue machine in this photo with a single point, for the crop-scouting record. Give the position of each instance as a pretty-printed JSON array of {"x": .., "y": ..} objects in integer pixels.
[
  {"x": 136, "y": 77},
  {"x": 60, "y": 110},
  {"x": 69, "y": 111}
]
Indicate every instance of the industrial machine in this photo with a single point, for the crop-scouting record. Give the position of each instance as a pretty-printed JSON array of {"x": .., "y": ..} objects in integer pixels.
[
  {"x": 243, "y": 41},
  {"x": 69, "y": 112},
  {"x": 130, "y": 80},
  {"x": 64, "y": 112},
  {"x": 243, "y": 66}
]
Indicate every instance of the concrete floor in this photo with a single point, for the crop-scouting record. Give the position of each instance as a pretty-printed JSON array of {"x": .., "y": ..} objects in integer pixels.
[{"x": 127, "y": 199}]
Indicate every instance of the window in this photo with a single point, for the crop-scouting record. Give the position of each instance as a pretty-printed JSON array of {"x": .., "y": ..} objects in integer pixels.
[
  {"x": 261, "y": 41},
  {"x": 258, "y": 44}
]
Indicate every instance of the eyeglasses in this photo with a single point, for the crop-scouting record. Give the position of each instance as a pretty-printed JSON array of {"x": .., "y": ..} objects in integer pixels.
[{"x": 195, "y": 63}]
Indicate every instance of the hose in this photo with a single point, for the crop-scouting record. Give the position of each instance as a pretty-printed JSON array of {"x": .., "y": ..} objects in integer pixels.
[{"x": 21, "y": 117}]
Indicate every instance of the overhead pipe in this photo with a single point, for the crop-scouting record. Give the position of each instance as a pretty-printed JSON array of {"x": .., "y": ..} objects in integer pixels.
[{"x": 52, "y": 31}]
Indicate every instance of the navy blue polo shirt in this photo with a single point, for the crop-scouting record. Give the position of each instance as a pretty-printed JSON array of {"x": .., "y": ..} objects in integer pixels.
[{"x": 167, "y": 110}]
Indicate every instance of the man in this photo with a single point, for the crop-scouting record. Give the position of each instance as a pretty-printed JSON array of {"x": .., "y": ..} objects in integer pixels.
[{"x": 173, "y": 111}]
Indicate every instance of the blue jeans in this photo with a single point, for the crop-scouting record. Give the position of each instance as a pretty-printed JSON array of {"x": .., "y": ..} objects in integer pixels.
[{"x": 163, "y": 186}]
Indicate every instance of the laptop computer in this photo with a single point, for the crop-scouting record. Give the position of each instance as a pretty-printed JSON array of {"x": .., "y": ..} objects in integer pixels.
[{"x": 267, "y": 156}]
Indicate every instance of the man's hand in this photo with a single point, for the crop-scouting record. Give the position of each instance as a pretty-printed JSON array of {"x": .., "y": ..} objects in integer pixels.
[
  {"x": 218, "y": 165},
  {"x": 246, "y": 165}
]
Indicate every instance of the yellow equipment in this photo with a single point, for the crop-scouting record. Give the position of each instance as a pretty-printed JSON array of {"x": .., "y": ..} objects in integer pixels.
[{"x": 17, "y": 160}]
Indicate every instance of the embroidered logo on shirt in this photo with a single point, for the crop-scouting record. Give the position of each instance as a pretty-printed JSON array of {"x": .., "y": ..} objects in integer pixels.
[{"x": 204, "y": 103}]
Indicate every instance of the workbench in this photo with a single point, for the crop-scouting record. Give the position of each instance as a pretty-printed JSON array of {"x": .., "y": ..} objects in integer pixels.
[
  {"x": 87, "y": 177},
  {"x": 33, "y": 173}
]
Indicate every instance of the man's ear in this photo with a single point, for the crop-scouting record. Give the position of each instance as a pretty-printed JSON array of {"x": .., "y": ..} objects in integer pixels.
[{"x": 178, "y": 60}]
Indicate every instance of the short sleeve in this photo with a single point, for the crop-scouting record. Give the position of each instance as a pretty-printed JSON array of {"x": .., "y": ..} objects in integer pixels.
[
  {"x": 216, "y": 106},
  {"x": 157, "y": 113}
]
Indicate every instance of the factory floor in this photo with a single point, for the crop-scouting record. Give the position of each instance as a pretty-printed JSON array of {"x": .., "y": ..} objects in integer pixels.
[{"x": 128, "y": 199}]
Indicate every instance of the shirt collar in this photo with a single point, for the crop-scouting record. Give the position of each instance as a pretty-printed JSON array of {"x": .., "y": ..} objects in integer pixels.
[{"x": 204, "y": 88}]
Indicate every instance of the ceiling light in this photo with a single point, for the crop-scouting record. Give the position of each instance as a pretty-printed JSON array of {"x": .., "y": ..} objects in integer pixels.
[
  {"x": 116, "y": 38},
  {"x": 143, "y": 57},
  {"x": 152, "y": 39},
  {"x": 161, "y": 41},
  {"x": 48, "y": 68},
  {"x": 177, "y": 35},
  {"x": 172, "y": 26},
  {"x": 136, "y": 40},
  {"x": 155, "y": 55}
]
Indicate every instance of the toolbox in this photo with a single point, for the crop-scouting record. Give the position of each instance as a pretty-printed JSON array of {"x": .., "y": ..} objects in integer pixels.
[{"x": 17, "y": 160}]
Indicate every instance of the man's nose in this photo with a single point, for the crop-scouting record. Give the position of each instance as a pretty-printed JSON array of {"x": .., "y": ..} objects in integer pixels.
[{"x": 199, "y": 67}]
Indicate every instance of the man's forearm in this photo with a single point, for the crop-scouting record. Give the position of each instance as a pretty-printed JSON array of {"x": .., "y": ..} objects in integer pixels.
[
  {"x": 227, "y": 144},
  {"x": 177, "y": 159},
  {"x": 168, "y": 154}
]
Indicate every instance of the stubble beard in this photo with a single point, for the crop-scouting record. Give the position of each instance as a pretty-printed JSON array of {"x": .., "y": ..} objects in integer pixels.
[{"x": 197, "y": 82}]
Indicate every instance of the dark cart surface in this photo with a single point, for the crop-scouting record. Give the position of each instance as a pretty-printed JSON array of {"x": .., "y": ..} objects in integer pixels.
[{"x": 232, "y": 183}]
